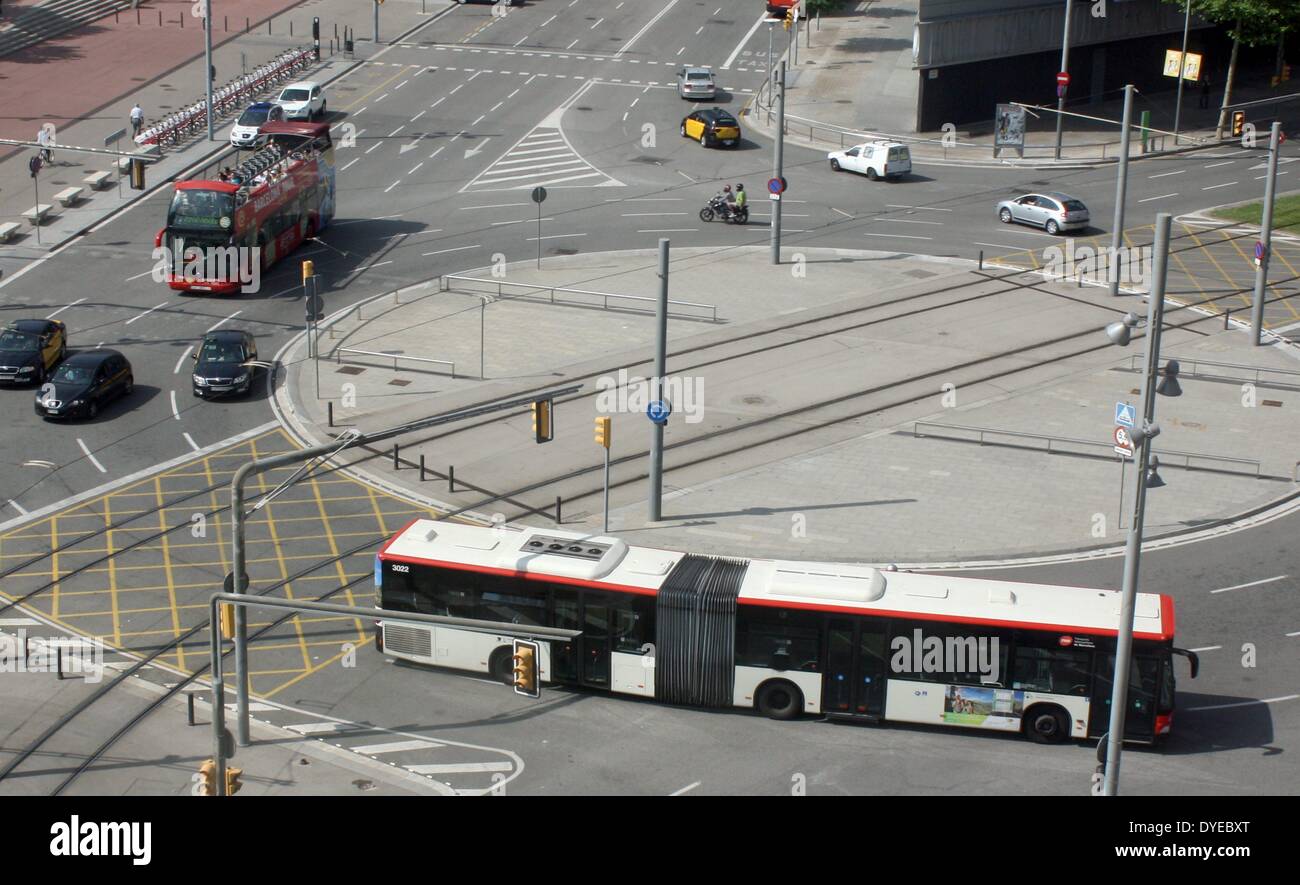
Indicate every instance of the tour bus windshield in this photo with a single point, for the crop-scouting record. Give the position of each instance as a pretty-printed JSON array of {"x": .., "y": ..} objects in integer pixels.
[{"x": 200, "y": 209}]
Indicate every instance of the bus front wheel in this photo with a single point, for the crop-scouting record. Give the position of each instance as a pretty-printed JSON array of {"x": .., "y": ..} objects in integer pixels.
[
  {"x": 501, "y": 665},
  {"x": 779, "y": 699},
  {"x": 1047, "y": 725}
]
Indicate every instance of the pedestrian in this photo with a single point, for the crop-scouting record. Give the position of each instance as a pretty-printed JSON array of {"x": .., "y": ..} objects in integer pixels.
[
  {"x": 1205, "y": 91},
  {"x": 43, "y": 139},
  {"x": 137, "y": 119}
]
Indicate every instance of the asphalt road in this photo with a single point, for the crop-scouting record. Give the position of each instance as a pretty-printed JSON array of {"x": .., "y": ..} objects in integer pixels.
[{"x": 452, "y": 129}]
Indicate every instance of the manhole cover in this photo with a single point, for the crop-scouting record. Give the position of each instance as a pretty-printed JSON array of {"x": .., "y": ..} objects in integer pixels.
[
  {"x": 919, "y": 274},
  {"x": 753, "y": 399},
  {"x": 364, "y": 784},
  {"x": 350, "y": 370},
  {"x": 399, "y": 382}
]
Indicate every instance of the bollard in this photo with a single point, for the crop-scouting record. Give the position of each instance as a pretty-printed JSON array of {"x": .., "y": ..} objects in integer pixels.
[
  {"x": 182, "y": 21},
  {"x": 395, "y": 447},
  {"x": 225, "y": 23},
  {"x": 981, "y": 259},
  {"x": 27, "y": 651},
  {"x": 290, "y": 27},
  {"x": 189, "y": 706},
  {"x": 451, "y": 478},
  {"x": 247, "y": 25},
  {"x": 329, "y": 407},
  {"x": 160, "y": 18},
  {"x": 1226, "y": 313},
  {"x": 336, "y": 30},
  {"x": 114, "y": 16},
  {"x": 59, "y": 656},
  {"x": 558, "y": 520},
  {"x": 421, "y": 467},
  {"x": 268, "y": 26}
]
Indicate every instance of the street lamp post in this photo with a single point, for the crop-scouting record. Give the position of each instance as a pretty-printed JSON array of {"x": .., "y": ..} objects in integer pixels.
[
  {"x": 1142, "y": 436},
  {"x": 1182, "y": 65},
  {"x": 1065, "y": 66}
]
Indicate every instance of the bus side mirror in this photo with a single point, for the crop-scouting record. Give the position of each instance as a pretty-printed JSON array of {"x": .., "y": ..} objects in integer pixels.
[
  {"x": 157, "y": 239},
  {"x": 1193, "y": 659}
]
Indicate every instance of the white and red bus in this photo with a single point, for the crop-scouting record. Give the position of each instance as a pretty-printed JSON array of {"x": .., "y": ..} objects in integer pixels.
[
  {"x": 784, "y": 638},
  {"x": 278, "y": 197}
]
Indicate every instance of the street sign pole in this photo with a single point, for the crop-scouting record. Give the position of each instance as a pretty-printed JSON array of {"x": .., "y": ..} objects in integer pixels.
[
  {"x": 1182, "y": 65},
  {"x": 1065, "y": 66},
  {"x": 657, "y": 387},
  {"x": 1121, "y": 190},
  {"x": 539, "y": 197},
  {"x": 376, "y": 5},
  {"x": 1265, "y": 239},
  {"x": 207, "y": 54},
  {"x": 36, "y": 176},
  {"x": 778, "y": 168},
  {"x": 606, "y": 505}
]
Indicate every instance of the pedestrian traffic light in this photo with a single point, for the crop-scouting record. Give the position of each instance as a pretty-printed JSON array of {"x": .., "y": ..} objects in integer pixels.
[
  {"x": 789, "y": 17},
  {"x": 233, "y": 785},
  {"x": 604, "y": 435},
  {"x": 543, "y": 431},
  {"x": 526, "y": 658},
  {"x": 137, "y": 174},
  {"x": 1238, "y": 123},
  {"x": 208, "y": 773},
  {"x": 315, "y": 28},
  {"x": 227, "y": 621},
  {"x": 308, "y": 270}
]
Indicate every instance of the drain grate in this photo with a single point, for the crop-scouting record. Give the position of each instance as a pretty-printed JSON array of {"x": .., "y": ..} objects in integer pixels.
[{"x": 349, "y": 370}]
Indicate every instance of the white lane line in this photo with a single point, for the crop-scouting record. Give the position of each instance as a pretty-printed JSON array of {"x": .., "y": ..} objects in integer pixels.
[
  {"x": 395, "y": 747},
  {"x": 454, "y": 91},
  {"x": 491, "y": 206},
  {"x": 456, "y": 249},
  {"x": 688, "y": 787},
  {"x": 593, "y": 27},
  {"x": 1161, "y": 197},
  {"x": 461, "y": 768},
  {"x": 23, "y": 511},
  {"x": 366, "y": 267},
  {"x": 137, "y": 276},
  {"x": 93, "y": 460},
  {"x": 372, "y": 147},
  {"x": 1002, "y": 246},
  {"x": 741, "y": 45},
  {"x": 193, "y": 445},
  {"x": 381, "y": 98},
  {"x": 926, "y": 208},
  {"x": 548, "y": 21},
  {"x": 669, "y": 230},
  {"x": 845, "y": 214},
  {"x": 524, "y": 221},
  {"x": 898, "y": 236},
  {"x": 495, "y": 106},
  {"x": 176, "y": 412},
  {"x": 417, "y": 166},
  {"x": 1163, "y": 174},
  {"x": 226, "y": 320},
  {"x": 1225, "y": 184},
  {"x": 1224, "y": 163},
  {"x": 680, "y": 51},
  {"x": 687, "y": 177},
  {"x": 648, "y": 25},
  {"x": 1251, "y": 584},
  {"x": 901, "y": 221},
  {"x": 1289, "y": 697},
  {"x": 393, "y": 185},
  {"x": 180, "y": 362},
  {"x": 697, "y": 30},
  {"x": 66, "y": 306},
  {"x": 1297, "y": 633},
  {"x": 403, "y": 83},
  {"x": 397, "y": 130},
  {"x": 350, "y": 162},
  {"x": 554, "y": 237},
  {"x": 570, "y": 46},
  {"x": 1206, "y": 648},
  {"x": 316, "y": 727},
  {"x": 523, "y": 38},
  {"x": 435, "y": 153},
  {"x": 146, "y": 313},
  {"x": 438, "y": 102},
  {"x": 647, "y": 214}
]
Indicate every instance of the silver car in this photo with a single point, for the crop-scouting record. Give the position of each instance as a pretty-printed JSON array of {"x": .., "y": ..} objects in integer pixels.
[
  {"x": 1052, "y": 212},
  {"x": 696, "y": 83}
]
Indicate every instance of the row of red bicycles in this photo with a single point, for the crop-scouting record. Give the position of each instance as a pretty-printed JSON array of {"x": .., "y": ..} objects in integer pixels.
[{"x": 230, "y": 98}]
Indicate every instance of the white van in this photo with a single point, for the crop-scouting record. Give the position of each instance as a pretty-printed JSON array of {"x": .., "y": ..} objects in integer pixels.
[{"x": 875, "y": 159}]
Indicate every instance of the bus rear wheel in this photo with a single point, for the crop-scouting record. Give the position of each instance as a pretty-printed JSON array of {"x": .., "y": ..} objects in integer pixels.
[
  {"x": 779, "y": 699},
  {"x": 1047, "y": 725},
  {"x": 501, "y": 666}
]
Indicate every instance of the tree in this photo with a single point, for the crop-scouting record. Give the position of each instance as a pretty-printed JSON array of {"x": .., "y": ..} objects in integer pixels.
[{"x": 1252, "y": 22}]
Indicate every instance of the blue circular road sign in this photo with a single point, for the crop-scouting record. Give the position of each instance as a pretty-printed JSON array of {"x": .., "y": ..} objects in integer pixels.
[
  {"x": 658, "y": 411},
  {"x": 776, "y": 185}
]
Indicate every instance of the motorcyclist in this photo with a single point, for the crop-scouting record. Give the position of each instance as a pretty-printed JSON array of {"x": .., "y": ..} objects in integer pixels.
[
  {"x": 725, "y": 200},
  {"x": 741, "y": 197}
]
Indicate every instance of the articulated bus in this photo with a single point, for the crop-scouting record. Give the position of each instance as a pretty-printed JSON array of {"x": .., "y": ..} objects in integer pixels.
[
  {"x": 783, "y": 638},
  {"x": 277, "y": 198}
]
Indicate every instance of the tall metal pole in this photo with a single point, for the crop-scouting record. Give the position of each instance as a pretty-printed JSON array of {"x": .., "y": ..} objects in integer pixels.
[
  {"x": 1133, "y": 549},
  {"x": 657, "y": 387},
  {"x": 794, "y": 57},
  {"x": 777, "y": 166},
  {"x": 606, "y": 507},
  {"x": 376, "y": 5},
  {"x": 1121, "y": 192},
  {"x": 770, "y": 28},
  {"x": 1065, "y": 66},
  {"x": 207, "y": 55},
  {"x": 1182, "y": 65},
  {"x": 539, "y": 235},
  {"x": 1266, "y": 238},
  {"x": 482, "y": 338}
]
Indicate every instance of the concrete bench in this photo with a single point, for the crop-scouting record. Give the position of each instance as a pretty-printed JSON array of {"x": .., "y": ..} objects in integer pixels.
[
  {"x": 38, "y": 213},
  {"x": 69, "y": 196},
  {"x": 98, "y": 180},
  {"x": 124, "y": 164},
  {"x": 7, "y": 230}
]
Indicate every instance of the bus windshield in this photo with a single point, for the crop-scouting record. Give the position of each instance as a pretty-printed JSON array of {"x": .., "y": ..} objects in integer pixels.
[{"x": 201, "y": 210}]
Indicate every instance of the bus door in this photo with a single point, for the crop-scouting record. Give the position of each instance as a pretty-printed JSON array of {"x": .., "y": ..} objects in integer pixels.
[
  {"x": 1144, "y": 682},
  {"x": 856, "y": 668},
  {"x": 584, "y": 659}
]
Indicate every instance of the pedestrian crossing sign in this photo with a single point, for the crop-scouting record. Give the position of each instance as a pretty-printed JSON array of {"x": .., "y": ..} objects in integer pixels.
[{"x": 1125, "y": 415}]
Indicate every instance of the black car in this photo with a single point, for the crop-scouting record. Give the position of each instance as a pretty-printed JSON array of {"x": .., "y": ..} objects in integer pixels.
[
  {"x": 29, "y": 349},
  {"x": 83, "y": 383},
  {"x": 221, "y": 363}
]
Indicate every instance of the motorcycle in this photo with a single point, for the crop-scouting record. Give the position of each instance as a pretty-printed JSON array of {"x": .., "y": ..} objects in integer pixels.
[{"x": 718, "y": 208}]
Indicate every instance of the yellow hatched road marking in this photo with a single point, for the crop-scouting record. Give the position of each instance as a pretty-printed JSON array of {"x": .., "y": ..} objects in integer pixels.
[
  {"x": 170, "y": 578},
  {"x": 365, "y": 640},
  {"x": 284, "y": 568},
  {"x": 334, "y": 550},
  {"x": 112, "y": 576}
]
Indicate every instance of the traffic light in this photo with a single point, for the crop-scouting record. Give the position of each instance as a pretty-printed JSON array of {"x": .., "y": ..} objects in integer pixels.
[
  {"x": 789, "y": 17},
  {"x": 543, "y": 431},
  {"x": 1238, "y": 123},
  {"x": 137, "y": 174},
  {"x": 526, "y": 657},
  {"x": 604, "y": 436},
  {"x": 208, "y": 771},
  {"x": 315, "y": 28},
  {"x": 227, "y": 621},
  {"x": 233, "y": 785},
  {"x": 308, "y": 271}
]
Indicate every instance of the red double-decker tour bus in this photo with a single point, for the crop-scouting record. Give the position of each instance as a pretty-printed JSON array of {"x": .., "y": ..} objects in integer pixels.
[{"x": 257, "y": 213}]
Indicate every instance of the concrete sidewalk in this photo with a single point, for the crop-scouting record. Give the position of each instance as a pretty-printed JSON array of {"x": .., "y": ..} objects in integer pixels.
[
  {"x": 857, "y": 76},
  {"x": 865, "y": 488}
]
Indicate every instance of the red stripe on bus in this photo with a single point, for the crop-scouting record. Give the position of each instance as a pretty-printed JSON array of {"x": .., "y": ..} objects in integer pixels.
[
  {"x": 1167, "y": 614},
  {"x": 393, "y": 540}
]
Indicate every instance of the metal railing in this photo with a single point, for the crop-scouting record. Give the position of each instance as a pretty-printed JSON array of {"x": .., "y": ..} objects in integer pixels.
[
  {"x": 338, "y": 357},
  {"x": 984, "y": 432},
  {"x": 1196, "y": 364},
  {"x": 638, "y": 302}
]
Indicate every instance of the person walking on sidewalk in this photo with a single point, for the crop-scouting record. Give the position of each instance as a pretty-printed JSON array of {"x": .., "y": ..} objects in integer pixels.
[
  {"x": 43, "y": 139},
  {"x": 137, "y": 119}
]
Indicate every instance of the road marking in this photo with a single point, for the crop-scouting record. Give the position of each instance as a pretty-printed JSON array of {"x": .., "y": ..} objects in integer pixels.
[
  {"x": 393, "y": 185},
  {"x": 743, "y": 40},
  {"x": 648, "y": 26},
  {"x": 456, "y": 249},
  {"x": 1251, "y": 584},
  {"x": 372, "y": 147},
  {"x": 146, "y": 313},
  {"x": 1225, "y": 184},
  {"x": 366, "y": 267},
  {"x": 419, "y": 115},
  {"x": 524, "y": 221},
  {"x": 1289, "y": 697},
  {"x": 385, "y": 95},
  {"x": 403, "y": 83},
  {"x": 570, "y": 46},
  {"x": 316, "y": 727},
  {"x": 688, "y": 787},
  {"x": 547, "y": 22},
  {"x": 899, "y": 220},
  {"x": 897, "y": 236},
  {"x": 491, "y": 206},
  {"x": 1206, "y": 648},
  {"x": 1002, "y": 246},
  {"x": 176, "y": 413},
  {"x": 462, "y": 768},
  {"x": 687, "y": 177},
  {"x": 927, "y": 208},
  {"x": 73, "y": 304},
  {"x": 1163, "y": 174},
  {"x": 554, "y": 237},
  {"x": 18, "y": 622},
  {"x": 93, "y": 460},
  {"x": 645, "y": 214},
  {"x": 680, "y": 51},
  {"x": 593, "y": 27},
  {"x": 1289, "y": 634},
  {"x": 23, "y": 511},
  {"x": 396, "y": 747},
  {"x": 669, "y": 230},
  {"x": 845, "y": 214},
  {"x": 226, "y": 320},
  {"x": 193, "y": 445},
  {"x": 1224, "y": 163},
  {"x": 1161, "y": 197},
  {"x": 417, "y": 166},
  {"x": 180, "y": 362},
  {"x": 350, "y": 162}
]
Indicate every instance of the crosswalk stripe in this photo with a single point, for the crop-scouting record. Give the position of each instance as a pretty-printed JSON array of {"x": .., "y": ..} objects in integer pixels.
[
  {"x": 316, "y": 727},
  {"x": 461, "y": 768},
  {"x": 395, "y": 747}
]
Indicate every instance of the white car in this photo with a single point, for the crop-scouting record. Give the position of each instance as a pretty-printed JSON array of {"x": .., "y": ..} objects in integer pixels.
[
  {"x": 874, "y": 159},
  {"x": 249, "y": 124},
  {"x": 302, "y": 101}
]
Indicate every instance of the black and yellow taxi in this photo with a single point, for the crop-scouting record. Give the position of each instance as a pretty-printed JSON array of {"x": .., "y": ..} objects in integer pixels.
[
  {"x": 29, "y": 349},
  {"x": 83, "y": 383},
  {"x": 712, "y": 127}
]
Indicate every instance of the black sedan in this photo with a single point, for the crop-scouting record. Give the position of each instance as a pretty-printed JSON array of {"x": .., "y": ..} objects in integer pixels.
[
  {"x": 83, "y": 383},
  {"x": 221, "y": 363},
  {"x": 29, "y": 349}
]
